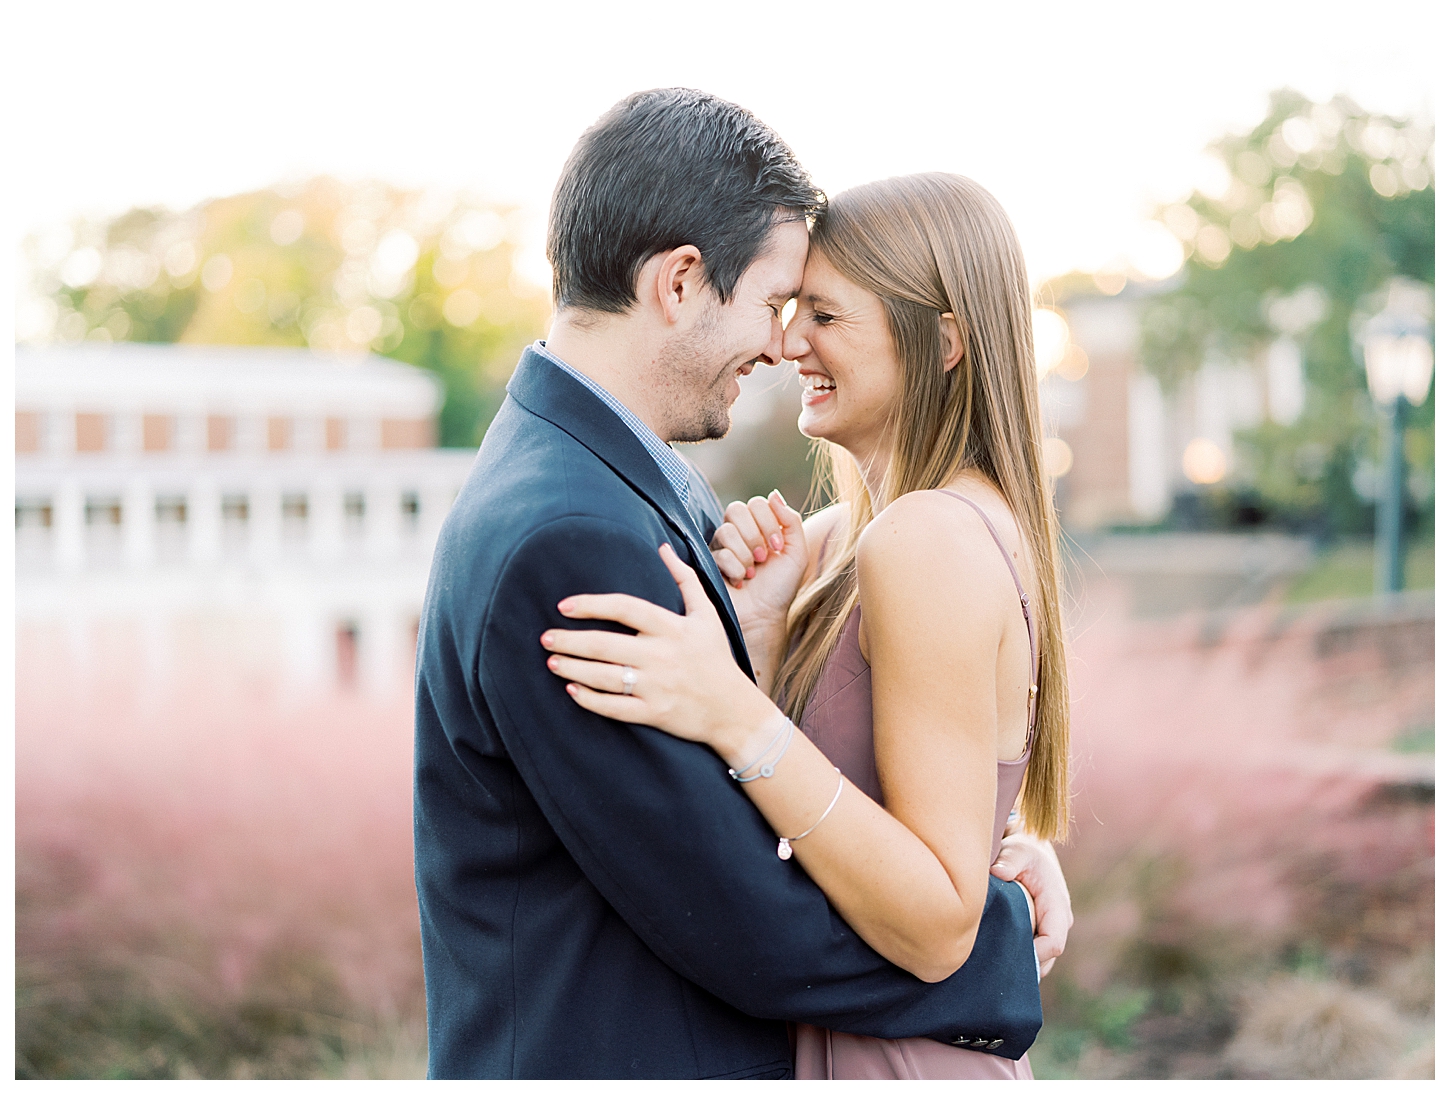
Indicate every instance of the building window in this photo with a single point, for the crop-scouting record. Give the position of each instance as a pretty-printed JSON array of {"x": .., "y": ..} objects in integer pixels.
[
  {"x": 410, "y": 506},
  {"x": 171, "y": 509},
  {"x": 235, "y": 511},
  {"x": 279, "y": 433},
  {"x": 27, "y": 431},
  {"x": 171, "y": 527},
  {"x": 103, "y": 511},
  {"x": 157, "y": 432},
  {"x": 33, "y": 519},
  {"x": 103, "y": 530},
  {"x": 336, "y": 434},
  {"x": 294, "y": 517},
  {"x": 354, "y": 509},
  {"x": 221, "y": 433},
  {"x": 92, "y": 431},
  {"x": 347, "y": 643},
  {"x": 406, "y": 433},
  {"x": 32, "y": 513}
]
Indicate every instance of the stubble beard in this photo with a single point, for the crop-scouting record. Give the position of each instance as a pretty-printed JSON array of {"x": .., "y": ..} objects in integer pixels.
[{"x": 702, "y": 409}]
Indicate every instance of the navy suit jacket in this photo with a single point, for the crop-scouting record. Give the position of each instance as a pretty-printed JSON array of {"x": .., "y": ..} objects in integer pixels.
[{"x": 600, "y": 899}]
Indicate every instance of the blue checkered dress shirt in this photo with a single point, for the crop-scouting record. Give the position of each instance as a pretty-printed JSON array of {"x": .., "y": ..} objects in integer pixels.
[{"x": 675, "y": 470}]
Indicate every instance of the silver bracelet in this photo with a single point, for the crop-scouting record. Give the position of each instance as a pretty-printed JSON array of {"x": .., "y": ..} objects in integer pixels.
[
  {"x": 783, "y": 849},
  {"x": 768, "y": 768}
]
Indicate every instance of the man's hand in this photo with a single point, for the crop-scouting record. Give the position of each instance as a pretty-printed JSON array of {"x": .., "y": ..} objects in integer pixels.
[{"x": 1034, "y": 864}]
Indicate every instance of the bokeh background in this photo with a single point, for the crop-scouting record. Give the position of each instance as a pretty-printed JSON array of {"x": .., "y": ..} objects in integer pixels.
[{"x": 275, "y": 266}]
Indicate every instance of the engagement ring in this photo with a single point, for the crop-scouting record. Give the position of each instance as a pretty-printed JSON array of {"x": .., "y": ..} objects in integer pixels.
[{"x": 628, "y": 679}]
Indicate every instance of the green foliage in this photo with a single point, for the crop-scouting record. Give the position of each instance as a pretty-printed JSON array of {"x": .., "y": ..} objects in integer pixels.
[
  {"x": 1080, "y": 1019},
  {"x": 1417, "y": 739},
  {"x": 1347, "y": 570},
  {"x": 1324, "y": 204},
  {"x": 425, "y": 278},
  {"x": 133, "y": 1019}
]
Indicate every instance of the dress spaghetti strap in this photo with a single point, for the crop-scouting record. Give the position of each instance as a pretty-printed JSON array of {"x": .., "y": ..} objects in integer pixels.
[{"x": 1032, "y": 668}]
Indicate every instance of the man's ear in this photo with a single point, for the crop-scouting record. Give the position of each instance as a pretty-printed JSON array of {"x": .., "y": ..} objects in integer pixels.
[
  {"x": 680, "y": 275},
  {"x": 954, "y": 341}
]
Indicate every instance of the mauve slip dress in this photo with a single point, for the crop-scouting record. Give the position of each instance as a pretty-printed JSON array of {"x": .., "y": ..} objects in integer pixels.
[{"x": 838, "y": 719}]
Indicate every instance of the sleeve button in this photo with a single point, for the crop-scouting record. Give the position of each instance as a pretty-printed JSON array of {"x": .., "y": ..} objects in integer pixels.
[{"x": 995, "y": 1043}]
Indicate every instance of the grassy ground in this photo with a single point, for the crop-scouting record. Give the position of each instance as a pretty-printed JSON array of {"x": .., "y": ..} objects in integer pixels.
[{"x": 1347, "y": 570}]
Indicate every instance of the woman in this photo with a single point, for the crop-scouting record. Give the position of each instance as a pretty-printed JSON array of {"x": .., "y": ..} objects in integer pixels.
[{"x": 912, "y": 630}]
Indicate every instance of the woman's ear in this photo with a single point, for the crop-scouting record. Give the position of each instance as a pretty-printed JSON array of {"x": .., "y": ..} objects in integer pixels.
[
  {"x": 679, "y": 277},
  {"x": 953, "y": 341}
]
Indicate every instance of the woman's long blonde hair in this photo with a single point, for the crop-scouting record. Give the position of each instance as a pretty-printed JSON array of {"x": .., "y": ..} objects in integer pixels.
[{"x": 928, "y": 244}]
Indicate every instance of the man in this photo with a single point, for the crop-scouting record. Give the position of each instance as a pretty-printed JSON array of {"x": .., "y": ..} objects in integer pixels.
[{"x": 599, "y": 899}]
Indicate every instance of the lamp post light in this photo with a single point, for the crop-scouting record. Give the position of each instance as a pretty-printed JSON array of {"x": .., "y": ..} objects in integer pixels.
[{"x": 1399, "y": 362}]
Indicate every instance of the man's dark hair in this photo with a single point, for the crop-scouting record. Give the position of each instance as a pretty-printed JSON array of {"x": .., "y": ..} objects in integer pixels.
[{"x": 662, "y": 169}]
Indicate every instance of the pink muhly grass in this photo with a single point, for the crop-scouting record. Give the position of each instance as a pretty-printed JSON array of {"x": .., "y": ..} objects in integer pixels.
[{"x": 213, "y": 821}]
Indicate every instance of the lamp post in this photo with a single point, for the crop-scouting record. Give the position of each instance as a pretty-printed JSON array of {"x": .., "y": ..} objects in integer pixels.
[{"x": 1399, "y": 363}]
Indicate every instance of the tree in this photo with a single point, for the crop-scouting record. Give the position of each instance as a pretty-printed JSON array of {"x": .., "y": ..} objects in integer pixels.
[
  {"x": 425, "y": 278},
  {"x": 1324, "y": 203}
]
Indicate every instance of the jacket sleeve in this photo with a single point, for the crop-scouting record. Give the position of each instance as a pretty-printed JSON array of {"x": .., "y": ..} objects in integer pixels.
[{"x": 676, "y": 848}]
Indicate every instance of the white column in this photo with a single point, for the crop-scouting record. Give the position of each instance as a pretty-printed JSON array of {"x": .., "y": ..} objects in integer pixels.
[
  {"x": 264, "y": 522},
  {"x": 436, "y": 499},
  {"x": 204, "y": 521},
  {"x": 378, "y": 650},
  {"x": 324, "y": 519},
  {"x": 313, "y": 640},
  {"x": 382, "y": 519},
  {"x": 1150, "y": 460},
  {"x": 138, "y": 524},
  {"x": 68, "y": 517}
]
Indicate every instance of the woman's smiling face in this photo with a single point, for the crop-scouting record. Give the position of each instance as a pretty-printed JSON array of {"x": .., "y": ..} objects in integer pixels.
[{"x": 840, "y": 340}]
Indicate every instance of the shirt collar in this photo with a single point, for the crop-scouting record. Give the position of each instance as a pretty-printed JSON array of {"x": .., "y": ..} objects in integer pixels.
[{"x": 671, "y": 464}]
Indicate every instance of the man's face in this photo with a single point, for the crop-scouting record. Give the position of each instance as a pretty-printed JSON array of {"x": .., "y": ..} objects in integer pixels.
[{"x": 701, "y": 367}]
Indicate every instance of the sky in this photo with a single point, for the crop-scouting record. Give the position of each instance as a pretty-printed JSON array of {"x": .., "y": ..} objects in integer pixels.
[{"x": 1079, "y": 117}]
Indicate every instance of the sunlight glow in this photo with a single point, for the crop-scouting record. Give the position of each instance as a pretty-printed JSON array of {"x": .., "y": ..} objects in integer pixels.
[
  {"x": 1204, "y": 462},
  {"x": 1049, "y": 338}
]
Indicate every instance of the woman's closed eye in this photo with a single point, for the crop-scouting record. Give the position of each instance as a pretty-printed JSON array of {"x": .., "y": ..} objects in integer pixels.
[{"x": 822, "y": 319}]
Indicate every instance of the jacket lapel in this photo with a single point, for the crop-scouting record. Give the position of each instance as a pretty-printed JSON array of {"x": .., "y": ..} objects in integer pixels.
[{"x": 552, "y": 394}]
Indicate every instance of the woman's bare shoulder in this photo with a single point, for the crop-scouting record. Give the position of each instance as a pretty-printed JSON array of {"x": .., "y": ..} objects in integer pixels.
[
  {"x": 914, "y": 522},
  {"x": 924, "y": 542}
]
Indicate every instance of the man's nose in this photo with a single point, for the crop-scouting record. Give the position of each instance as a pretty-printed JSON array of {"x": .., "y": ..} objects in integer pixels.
[{"x": 772, "y": 354}]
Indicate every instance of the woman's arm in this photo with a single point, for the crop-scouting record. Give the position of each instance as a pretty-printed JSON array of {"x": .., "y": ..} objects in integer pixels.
[
  {"x": 767, "y": 555},
  {"x": 915, "y": 896}
]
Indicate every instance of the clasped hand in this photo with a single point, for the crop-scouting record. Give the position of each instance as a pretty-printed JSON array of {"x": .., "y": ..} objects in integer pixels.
[{"x": 760, "y": 549}]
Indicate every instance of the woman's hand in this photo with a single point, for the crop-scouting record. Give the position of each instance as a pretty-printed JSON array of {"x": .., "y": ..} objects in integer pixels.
[
  {"x": 682, "y": 676},
  {"x": 761, "y": 550},
  {"x": 1033, "y": 865}
]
